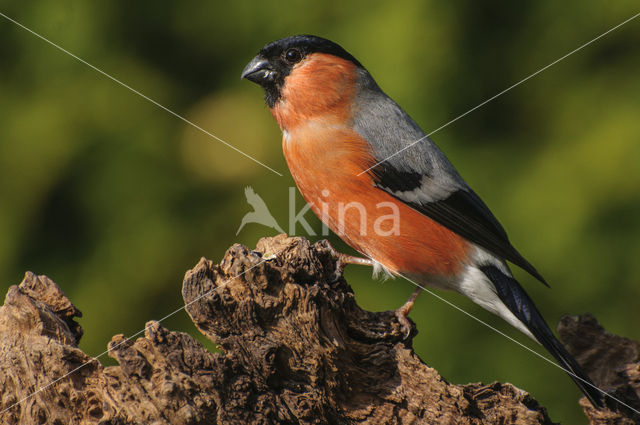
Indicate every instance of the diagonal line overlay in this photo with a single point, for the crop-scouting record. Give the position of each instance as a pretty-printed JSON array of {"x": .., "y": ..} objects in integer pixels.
[
  {"x": 129, "y": 338},
  {"x": 545, "y": 358},
  {"x": 502, "y": 92},
  {"x": 109, "y": 76}
]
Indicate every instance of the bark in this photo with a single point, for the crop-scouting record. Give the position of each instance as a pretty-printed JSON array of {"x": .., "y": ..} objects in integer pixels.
[
  {"x": 296, "y": 349},
  {"x": 613, "y": 363}
]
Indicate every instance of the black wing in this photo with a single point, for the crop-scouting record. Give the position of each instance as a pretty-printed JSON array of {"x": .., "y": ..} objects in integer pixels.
[{"x": 461, "y": 211}]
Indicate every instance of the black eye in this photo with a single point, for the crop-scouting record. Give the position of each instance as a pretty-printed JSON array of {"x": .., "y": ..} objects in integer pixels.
[{"x": 292, "y": 55}]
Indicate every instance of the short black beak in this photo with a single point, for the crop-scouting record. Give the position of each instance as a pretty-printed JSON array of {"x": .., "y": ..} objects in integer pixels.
[{"x": 259, "y": 70}]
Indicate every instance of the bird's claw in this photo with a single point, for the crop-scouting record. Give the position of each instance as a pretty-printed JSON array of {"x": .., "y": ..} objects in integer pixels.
[
  {"x": 403, "y": 312},
  {"x": 341, "y": 261},
  {"x": 337, "y": 273},
  {"x": 405, "y": 324}
]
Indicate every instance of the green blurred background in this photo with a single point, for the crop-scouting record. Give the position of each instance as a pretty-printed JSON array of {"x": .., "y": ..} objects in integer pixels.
[{"x": 115, "y": 199}]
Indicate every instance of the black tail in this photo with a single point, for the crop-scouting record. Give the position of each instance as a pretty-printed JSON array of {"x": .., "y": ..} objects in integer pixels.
[{"x": 517, "y": 300}]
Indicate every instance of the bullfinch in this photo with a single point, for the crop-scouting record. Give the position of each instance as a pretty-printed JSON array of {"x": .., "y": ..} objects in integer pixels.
[{"x": 409, "y": 212}]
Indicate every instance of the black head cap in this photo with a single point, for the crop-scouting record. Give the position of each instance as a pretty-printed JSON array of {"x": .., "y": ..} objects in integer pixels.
[{"x": 276, "y": 60}]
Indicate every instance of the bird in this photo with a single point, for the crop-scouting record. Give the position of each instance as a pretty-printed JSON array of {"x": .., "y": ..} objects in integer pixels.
[
  {"x": 260, "y": 213},
  {"x": 345, "y": 142}
]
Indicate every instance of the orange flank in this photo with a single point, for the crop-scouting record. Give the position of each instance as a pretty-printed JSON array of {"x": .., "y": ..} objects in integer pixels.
[{"x": 325, "y": 165}]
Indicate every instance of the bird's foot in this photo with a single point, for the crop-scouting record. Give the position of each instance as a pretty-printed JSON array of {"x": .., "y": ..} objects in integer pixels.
[
  {"x": 343, "y": 259},
  {"x": 403, "y": 312}
]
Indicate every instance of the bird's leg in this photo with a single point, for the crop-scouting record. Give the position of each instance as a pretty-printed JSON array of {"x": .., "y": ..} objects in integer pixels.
[
  {"x": 351, "y": 259},
  {"x": 404, "y": 310},
  {"x": 343, "y": 259}
]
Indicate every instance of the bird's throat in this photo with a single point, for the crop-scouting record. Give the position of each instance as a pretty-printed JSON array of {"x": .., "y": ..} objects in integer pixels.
[{"x": 321, "y": 87}]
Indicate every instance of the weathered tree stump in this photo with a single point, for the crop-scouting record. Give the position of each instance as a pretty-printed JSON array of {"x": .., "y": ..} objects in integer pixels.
[{"x": 296, "y": 350}]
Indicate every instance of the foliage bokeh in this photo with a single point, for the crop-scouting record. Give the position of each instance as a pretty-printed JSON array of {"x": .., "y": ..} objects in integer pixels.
[{"x": 114, "y": 198}]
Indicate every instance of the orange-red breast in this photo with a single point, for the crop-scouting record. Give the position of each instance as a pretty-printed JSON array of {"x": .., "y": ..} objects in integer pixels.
[{"x": 412, "y": 213}]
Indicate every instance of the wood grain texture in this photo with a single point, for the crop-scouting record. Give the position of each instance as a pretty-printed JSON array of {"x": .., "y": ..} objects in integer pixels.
[{"x": 296, "y": 349}]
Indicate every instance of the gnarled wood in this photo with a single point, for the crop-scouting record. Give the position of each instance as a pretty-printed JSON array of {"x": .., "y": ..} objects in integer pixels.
[
  {"x": 296, "y": 349},
  {"x": 613, "y": 363}
]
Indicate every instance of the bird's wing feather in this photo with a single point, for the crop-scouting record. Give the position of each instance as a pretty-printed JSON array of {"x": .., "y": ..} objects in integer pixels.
[
  {"x": 461, "y": 211},
  {"x": 422, "y": 177}
]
